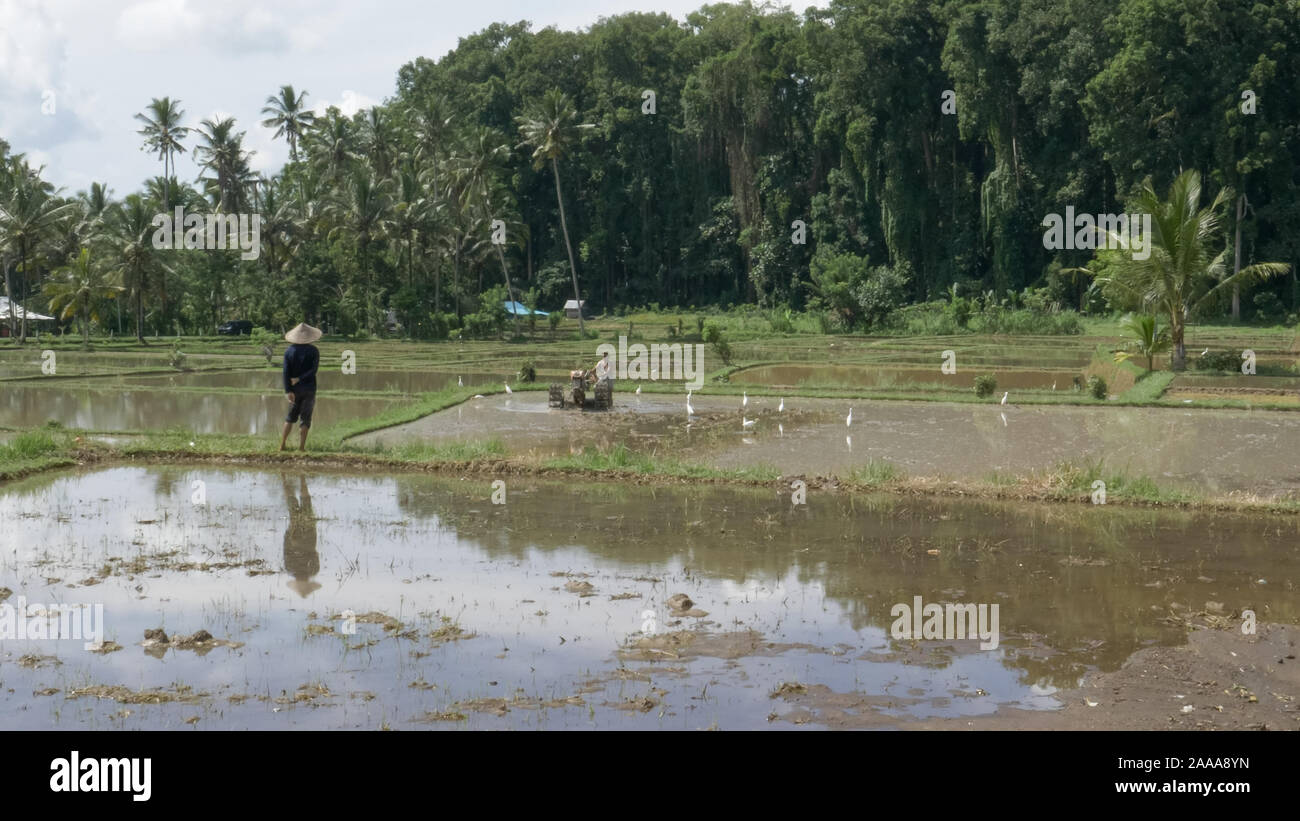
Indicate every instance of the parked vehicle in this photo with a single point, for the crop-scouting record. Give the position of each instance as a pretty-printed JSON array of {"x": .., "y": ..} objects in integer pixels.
[{"x": 235, "y": 327}]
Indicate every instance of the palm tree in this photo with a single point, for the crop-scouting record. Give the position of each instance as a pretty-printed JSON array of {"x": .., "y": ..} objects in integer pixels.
[
  {"x": 280, "y": 227},
  {"x": 130, "y": 231},
  {"x": 76, "y": 291},
  {"x": 431, "y": 126},
  {"x": 482, "y": 162},
  {"x": 411, "y": 214},
  {"x": 289, "y": 117},
  {"x": 29, "y": 214},
  {"x": 223, "y": 154},
  {"x": 1146, "y": 338},
  {"x": 1179, "y": 276},
  {"x": 549, "y": 128},
  {"x": 378, "y": 140},
  {"x": 335, "y": 144},
  {"x": 363, "y": 209},
  {"x": 162, "y": 134}
]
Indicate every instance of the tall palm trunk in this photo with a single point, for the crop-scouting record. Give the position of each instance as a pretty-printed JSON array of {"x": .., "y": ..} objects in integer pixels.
[
  {"x": 139, "y": 309},
  {"x": 83, "y": 314},
  {"x": 573, "y": 268},
  {"x": 9, "y": 297},
  {"x": 1236, "y": 261},
  {"x": 1179, "y": 362},
  {"x": 501, "y": 254},
  {"x": 510, "y": 292},
  {"x": 22, "y": 262},
  {"x": 455, "y": 280}
]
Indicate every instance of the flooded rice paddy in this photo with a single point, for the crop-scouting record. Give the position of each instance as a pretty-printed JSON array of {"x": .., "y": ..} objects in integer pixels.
[
  {"x": 1248, "y": 451},
  {"x": 552, "y": 610},
  {"x": 861, "y": 376},
  {"x": 407, "y": 382},
  {"x": 104, "y": 409}
]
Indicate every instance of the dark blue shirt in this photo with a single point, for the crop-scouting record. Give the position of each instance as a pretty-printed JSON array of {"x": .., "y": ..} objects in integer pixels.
[{"x": 301, "y": 361}]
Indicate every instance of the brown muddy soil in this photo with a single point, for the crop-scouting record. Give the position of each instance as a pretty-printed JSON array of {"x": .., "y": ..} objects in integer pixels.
[{"x": 1219, "y": 680}]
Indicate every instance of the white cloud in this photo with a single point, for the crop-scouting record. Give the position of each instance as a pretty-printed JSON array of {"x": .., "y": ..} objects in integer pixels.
[
  {"x": 348, "y": 104},
  {"x": 157, "y": 25},
  {"x": 37, "y": 104}
]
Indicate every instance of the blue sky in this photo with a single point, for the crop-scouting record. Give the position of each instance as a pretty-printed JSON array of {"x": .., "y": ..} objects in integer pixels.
[{"x": 103, "y": 60}]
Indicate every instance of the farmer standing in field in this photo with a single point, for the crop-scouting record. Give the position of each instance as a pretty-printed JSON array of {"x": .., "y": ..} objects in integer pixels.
[{"x": 301, "y": 359}]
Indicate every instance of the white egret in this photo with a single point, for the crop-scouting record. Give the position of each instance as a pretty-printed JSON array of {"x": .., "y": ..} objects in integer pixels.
[
  {"x": 744, "y": 400},
  {"x": 638, "y": 390},
  {"x": 848, "y": 420},
  {"x": 478, "y": 396},
  {"x": 508, "y": 391},
  {"x": 1004, "y": 396},
  {"x": 746, "y": 424},
  {"x": 781, "y": 407},
  {"x": 690, "y": 411},
  {"x": 1204, "y": 352},
  {"x": 460, "y": 383}
]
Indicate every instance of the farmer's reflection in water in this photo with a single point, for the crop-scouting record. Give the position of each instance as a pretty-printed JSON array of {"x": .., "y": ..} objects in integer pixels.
[{"x": 300, "y": 557}]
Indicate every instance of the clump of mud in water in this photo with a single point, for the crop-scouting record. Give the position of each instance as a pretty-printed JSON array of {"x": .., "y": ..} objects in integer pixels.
[
  {"x": 681, "y": 605},
  {"x": 156, "y": 643},
  {"x": 643, "y": 704},
  {"x": 449, "y": 630},
  {"x": 500, "y": 706},
  {"x": 583, "y": 589},
  {"x": 125, "y": 695},
  {"x": 446, "y": 715},
  {"x": 789, "y": 688}
]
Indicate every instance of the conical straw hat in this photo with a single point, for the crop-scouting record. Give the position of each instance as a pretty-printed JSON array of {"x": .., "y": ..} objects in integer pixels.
[{"x": 303, "y": 334}]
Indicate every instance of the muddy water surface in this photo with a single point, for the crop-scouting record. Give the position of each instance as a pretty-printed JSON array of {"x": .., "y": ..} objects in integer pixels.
[
  {"x": 885, "y": 377},
  {"x": 552, "y": 609},
  {"x": 127, "y": 410},
  {"x": 1210, "y": 450},
  {"x": 403, "y": 382}
]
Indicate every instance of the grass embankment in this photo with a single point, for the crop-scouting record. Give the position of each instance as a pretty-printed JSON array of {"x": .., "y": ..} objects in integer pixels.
[
  {"x": 42, "y": 450},
  {"x": 32, "y": 452}
]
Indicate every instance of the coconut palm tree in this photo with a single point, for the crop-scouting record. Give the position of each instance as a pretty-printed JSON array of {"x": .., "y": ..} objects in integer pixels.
[
  {"x": 281, "y": 229},
  {"x": 29, "y": 214},
  {"x": 76, "y": 290},
  {"x": 378, "y": 140},
  {"x": 1146, "y": 338},
  {"x": 363, "y": 209},
  {"x": 481, "y": 162},
  {"x": 549, "y": 127},
  {"x": 411, "y": 214},
  {"x": 223, "y": 154},
  {"x": 1180, "y": 275},
  {"x": 162, "y": 134},
  {"x": 289, "y": 116},
  {"x": 334, "y": 141},
  {"x": 129, "y": 232}
]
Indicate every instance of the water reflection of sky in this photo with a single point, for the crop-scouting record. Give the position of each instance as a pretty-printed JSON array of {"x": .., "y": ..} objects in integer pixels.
[{"x": 418, "y": 548}]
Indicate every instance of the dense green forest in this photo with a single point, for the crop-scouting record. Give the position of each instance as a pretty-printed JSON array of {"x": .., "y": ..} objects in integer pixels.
[{"x": 919, "y": 144}]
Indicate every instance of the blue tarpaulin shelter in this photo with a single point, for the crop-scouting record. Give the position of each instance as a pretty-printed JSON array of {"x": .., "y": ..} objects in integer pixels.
[{"x": 521, "y": 310}]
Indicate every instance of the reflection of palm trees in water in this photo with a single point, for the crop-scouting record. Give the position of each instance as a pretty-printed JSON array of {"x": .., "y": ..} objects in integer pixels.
[{"x": 300, "y": 557}]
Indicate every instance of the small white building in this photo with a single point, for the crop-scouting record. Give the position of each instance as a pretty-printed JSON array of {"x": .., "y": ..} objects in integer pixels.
[
  {"x": 18, "y": 312},
  {"x": 573, "y": 306}
]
